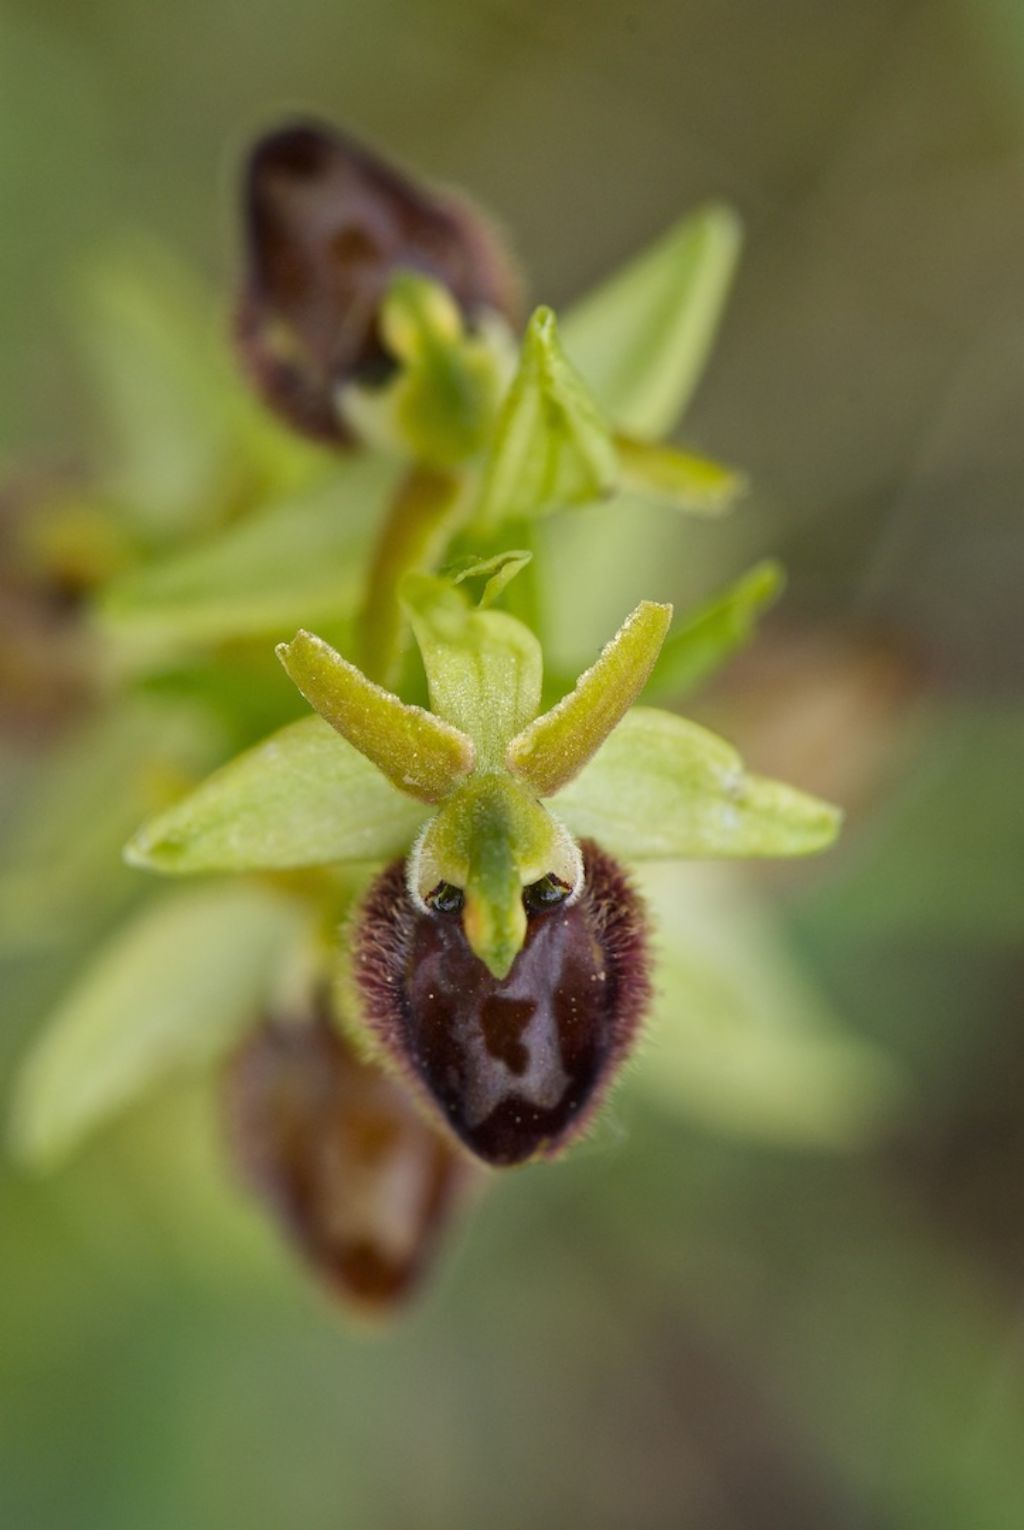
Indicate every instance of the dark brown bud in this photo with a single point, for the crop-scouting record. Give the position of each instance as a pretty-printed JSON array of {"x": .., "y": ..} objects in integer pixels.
[
  {"x": 327, "y": 225},
  {"x": 515, "y": 1066},
  {"x": 49, "y": 659},
  {"x": 343, "y": 1158}
]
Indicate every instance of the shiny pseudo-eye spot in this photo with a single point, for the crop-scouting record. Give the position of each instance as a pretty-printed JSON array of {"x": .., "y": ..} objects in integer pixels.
[
  {"x": 514, "y": 1067},
  {"x": 539, "y": 897},
  {"x": 327, "y": 226},
  {"x": 342, "y": 1158},
  {"x": 445, "y": 899}
]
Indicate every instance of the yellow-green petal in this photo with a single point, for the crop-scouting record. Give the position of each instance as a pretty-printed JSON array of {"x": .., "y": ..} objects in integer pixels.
[
  {"x": 419, "y": 753},
  {"x": 554, "y": 748}
]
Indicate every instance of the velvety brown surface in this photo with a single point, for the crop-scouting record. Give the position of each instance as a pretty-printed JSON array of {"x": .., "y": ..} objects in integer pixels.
[{"x": 515, "y": 1066}]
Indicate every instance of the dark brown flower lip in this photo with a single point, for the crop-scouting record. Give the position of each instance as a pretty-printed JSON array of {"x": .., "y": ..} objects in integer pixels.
[
  {"x": 342, "y": 1158},
  {"x": 327, "y": 223},
  {"x": 516, "y": 1068}
]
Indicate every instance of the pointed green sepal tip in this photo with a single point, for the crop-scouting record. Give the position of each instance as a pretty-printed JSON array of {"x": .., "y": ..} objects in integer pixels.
[
  {"x": 643, "y": 338},
  {"x": 556, "y": 746},
  {"x": 710, "y": 635},
  {"x": 682, "y": 480},
  {"x": 419, "y": 753}
]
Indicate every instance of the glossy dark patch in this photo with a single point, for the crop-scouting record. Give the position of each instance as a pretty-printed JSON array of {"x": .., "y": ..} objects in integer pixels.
[
  {"x": 515, "y": 1066},
  {"x": 342, "y": 1157},
  {"x": 327, "y": 224}
]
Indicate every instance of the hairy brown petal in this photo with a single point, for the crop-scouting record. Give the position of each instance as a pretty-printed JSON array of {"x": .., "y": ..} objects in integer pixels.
[
  {"x": 327, "y": 224},
  {"x": 343, "y": 1158},
  {"x": 516, "y": 1066}
]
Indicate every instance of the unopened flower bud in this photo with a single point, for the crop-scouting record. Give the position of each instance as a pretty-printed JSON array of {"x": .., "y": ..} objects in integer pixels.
[
  {"x": 327, "y": 226},
  {"x": 342, "y": 1158}
]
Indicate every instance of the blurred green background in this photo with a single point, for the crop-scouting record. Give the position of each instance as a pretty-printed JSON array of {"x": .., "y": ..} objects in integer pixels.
[{"x": 689, "y": 1323}]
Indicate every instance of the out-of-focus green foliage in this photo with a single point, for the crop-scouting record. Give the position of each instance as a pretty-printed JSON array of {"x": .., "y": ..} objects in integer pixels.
[{"x": 678, "y": 1326}]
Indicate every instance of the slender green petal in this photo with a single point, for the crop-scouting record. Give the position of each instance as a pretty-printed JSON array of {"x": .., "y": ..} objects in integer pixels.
[
  {"x": 679, "y": 479},
  {"x": 662, "y": 787},
  {"x": 419, "y": 753},
  {"x": 172, "y": 989},
  {"x": 714, "y": 632},
  {"x": 483, "y": 667},
  {"x": 641, "y": 340},
  {"x": 303, "y": 797},
  {"x": 557, "y": 745},
  {"x": 552, "y": 446},
  {"x": 302, "y": 560}
]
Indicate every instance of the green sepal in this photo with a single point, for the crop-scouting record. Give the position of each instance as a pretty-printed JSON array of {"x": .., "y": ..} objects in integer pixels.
[
  {"x": 302, "y": 797},
  {"x": 484, "y": 668},
  {"x": 172, "y": 989},
  {"x": 641, "y": 339},
  {"x": 714, "y": 632},
  {"x": 556, "y": 746},
  {"x": 422, "y": 755},
  {"x": 682, "y": 480},
  {"x": 552, "y": 445},
  {"x": 664, "y": 788}
]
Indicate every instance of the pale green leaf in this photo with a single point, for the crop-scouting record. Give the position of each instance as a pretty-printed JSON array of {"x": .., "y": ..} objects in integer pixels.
[
  {"x": 741, "y": 1040},
  {"x": 642, "y": 338},
  {"x": 714, "y": 632},
  {"x": 303, "y": 797},
  {"x": 552, "y": 446},
  {"x": 554, "y": 748},
  {"x": 185, "y": 441},
  {"x": 483, "y": 667},
  {"x": 172, "y": 990},
  {"x": 161, "y": 382},
  {"x": 302, "y": 560},
  {"x": 61, "y": 870},
  {"x": 679, "y": 479},
  {"x": 662, "y": 788},
  {"x": 419, "y": 753}
]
